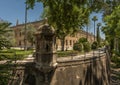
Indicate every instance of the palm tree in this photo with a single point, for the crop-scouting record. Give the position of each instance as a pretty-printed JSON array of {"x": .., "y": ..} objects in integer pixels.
[
  {"x": 94, "y": 19},
  {"x": 5, "y": 71},
  {"x": 25, "y": 33},
  {"x": 87, "y": 27},
  {"x": 98, "y": 33},
  {"x": 3, "y": 39}
]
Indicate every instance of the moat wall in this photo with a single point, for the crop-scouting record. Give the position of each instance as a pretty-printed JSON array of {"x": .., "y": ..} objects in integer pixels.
[{"x": 91, "y": 71}]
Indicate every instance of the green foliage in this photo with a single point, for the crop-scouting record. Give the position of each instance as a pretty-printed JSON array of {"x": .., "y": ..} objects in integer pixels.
[
  {"x": 4, "y": 42},
  {"x": 5, "y": 73},
  {"x": 87, "y": 46},
  {"x": 85, "y": 43},
  {"x": 94, "y": 45},
  {"x": 112, "y": 28},
  {"x": 29, "y": 34},
  {"x": 116, "y": 60},
  {"x": 98, "y": 34},
  {"x": 67, "y": 16},
  {"x": 94, "y": 18},
  {"x": 78, "y": 47},
  {"x": 64, "y": 15},
  {"x": 67, "y": 53},
  {"x": 110, "y": 6},
  {"x": 82, "y": 45},
  {"x": 82, "y": 40},
  {"x": 94, "y": 5},
  {"x": 10, "y": 55},
  {"x": 13, "y": 54}
]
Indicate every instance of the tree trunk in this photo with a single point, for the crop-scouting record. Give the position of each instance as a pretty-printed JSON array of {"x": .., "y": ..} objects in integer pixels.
[
  {"x": 62, "y": 43},
  {"x": 32, "y": 44},
  {"x": 87, "y": 33},
  {"x": 98, "y": 36},
  {"x": 111, "y": 47}
]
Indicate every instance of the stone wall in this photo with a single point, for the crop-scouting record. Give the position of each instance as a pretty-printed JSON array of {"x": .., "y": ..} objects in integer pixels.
[{"x": 91, "y": 71}]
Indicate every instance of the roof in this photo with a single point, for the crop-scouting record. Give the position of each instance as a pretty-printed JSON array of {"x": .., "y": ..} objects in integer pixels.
[{"x": 27, "y": 23}]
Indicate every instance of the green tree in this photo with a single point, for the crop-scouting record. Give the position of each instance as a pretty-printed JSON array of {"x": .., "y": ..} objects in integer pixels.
[
  {"x": 30, "y": 30},
  {"x": 63, "y": 25},
  {"x": 5, "y": 73},
  {"x": 82, "y": 40},
  {"x": 78, "y": 47},
  {"x": 110, "y": 6},
  {"x": 94, "y": 20},
  {"x": 94, "y": 45},
  {"x": 65, "y": 15},
  {"x": 30, "y": 34},
  {"x": 112, "y": 29},
  {"x": 98, "y": 33},
  {"x": 4, "y": 42},
  {"x": 85, "y": 45},
  {"x": 87, "y": 23}
]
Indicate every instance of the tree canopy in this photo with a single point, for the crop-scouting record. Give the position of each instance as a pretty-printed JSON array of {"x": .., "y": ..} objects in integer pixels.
[
  {"x": 112, "y": 28},
  {"x": 67, "y": 15}
]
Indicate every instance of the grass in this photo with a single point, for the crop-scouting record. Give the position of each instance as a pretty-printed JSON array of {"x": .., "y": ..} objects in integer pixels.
[
  {"x": 68, "y": 53},
  {"x": 14, "y": 54}
]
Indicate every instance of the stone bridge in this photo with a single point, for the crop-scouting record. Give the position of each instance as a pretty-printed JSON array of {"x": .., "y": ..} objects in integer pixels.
[{"x": 78, "y": 70}]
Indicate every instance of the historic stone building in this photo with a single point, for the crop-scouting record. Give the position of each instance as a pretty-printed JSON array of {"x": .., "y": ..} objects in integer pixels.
[{"x": 69, "y": 40}]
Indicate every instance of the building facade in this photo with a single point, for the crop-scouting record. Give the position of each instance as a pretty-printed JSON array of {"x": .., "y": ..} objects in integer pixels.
[{"x": 69, "y": 40}]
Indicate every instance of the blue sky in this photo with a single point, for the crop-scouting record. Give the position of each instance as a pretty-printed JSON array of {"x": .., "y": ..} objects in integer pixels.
[{"x": 11, "y": 10}]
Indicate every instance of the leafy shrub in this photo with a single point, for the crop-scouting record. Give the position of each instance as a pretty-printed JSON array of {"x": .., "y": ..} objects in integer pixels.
[
  {"x": 94, "y": 45},
  {"x": 82, "y": 40},
  {"x": 116, "y": 60},
  {"x": 86, "y": 46},
  {"x": 67, "y": 53},
  {"x": 13, "y": 54},
  {"x": 78, "y": 46},
  {"x": 5, "y": 73}
]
